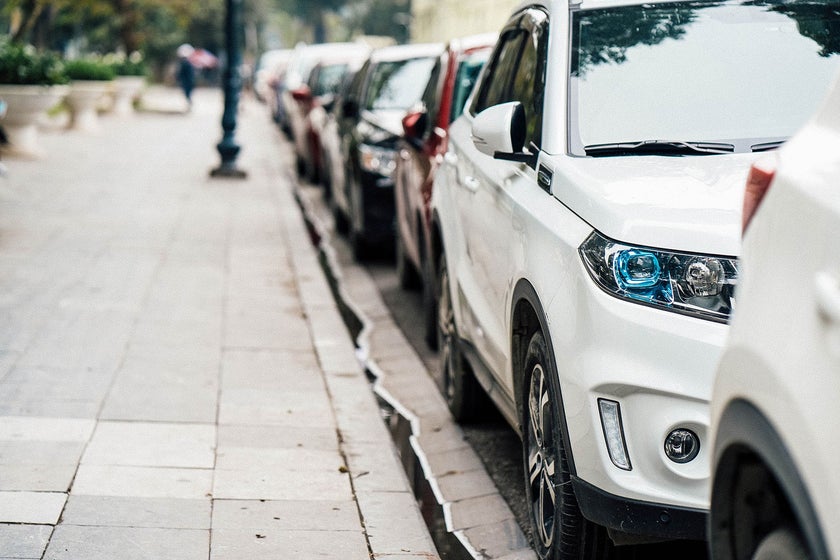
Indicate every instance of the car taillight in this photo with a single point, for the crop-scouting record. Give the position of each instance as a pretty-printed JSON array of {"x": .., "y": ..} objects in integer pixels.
[{"x": 758, "y": 181}]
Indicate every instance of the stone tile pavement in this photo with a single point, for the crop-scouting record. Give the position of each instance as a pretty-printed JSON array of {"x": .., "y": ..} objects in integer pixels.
[{"x": 175, "y": 379}]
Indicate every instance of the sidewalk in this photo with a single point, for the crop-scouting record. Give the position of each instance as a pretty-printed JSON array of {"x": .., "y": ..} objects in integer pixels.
[{"x": 175, "y": 379}]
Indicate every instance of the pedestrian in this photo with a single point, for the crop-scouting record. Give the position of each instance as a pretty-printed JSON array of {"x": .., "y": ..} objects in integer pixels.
[{"x": 186, "y": 72}]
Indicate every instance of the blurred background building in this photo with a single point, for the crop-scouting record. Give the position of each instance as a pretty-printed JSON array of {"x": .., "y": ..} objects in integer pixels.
[{"x": 440, "y": 20}]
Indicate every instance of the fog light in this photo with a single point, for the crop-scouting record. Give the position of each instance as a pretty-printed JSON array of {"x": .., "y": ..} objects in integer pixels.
[
  {"x": 614, "y": 433},
  {"x": 682, "y": 446}
]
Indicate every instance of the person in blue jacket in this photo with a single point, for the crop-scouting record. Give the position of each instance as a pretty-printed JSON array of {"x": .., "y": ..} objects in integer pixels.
[{"x": 186, "y": 71}]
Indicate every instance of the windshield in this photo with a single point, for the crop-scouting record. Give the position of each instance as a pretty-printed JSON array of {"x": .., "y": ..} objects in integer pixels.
[
  {"x": 737, "y": 72},
  {"x": 329, "y": 79},
  {"x": 398, "y": 84}
]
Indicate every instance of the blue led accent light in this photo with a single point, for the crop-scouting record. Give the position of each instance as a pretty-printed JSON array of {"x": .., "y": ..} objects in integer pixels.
[{"x": 637, "y": 269}]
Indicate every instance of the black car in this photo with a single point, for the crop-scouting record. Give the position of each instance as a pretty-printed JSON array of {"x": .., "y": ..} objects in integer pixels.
[{"x": 369, "y": 126}]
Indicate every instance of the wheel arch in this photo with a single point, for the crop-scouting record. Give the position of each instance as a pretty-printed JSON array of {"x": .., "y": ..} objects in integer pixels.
[
  {"x": 748, "y": 446},
  {"x": 528, "y": 317}
]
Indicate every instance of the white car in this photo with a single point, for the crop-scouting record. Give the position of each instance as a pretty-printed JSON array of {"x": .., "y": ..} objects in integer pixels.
[
  {"x": 774, "y": 409},
  {"x": 586, "y": 229}
]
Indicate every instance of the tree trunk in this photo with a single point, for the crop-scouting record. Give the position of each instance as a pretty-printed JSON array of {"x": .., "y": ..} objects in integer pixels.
[
  {"x": 28, "y": 13},
  {"x": 129, "y": 20}
]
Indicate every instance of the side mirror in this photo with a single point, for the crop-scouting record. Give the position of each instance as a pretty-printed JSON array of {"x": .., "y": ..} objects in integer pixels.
[
  {"x": 414, "y": 124},
  {"x": 500, "y": 130},
  {"x": 327, "y": 101}
]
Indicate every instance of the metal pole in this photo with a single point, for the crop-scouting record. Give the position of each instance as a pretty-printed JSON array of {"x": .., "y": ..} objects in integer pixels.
[{"x": 228, "y": 148}]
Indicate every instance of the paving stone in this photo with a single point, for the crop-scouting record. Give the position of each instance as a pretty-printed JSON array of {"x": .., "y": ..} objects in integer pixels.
[
  {"x": 293, "y": 459},
  {"x": 229, "y": 544},
  {"x": 77, "y": 339},
  {"x": 475, "y": 512},
  {"x": 40, "y": 452},
  {"x": 501, "y": 540},
  {"x": 71, "y": 542},
  {"x": 20, "y": 428},
  {"x": 152, "y": 445},
  {"x": 277, "y": 437},
  {"x": 286, "y": 408},
  {"x": 453, "y": 462},
  {"x": 266, "y": 329},
  {"x": 112, "y": 511},
  {"x": 277, "y": 484},
  {"x": 375, "y": 467},
  {"x": 37, "y": 478},
  {"x": 271, "y": 370},
  {"x": 31, "y": 507},
  {"x": 141, "y": 393},
  {"x": 142, "y": 482},
  {"x": 394, "y": 534},
  {"x": 286, "y": 515},
  {"x": 24, "y": 541},
  {"x": 468, "y": 484}
]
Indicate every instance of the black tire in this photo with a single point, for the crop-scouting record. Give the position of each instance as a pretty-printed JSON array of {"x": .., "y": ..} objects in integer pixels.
[
  {"x": 342, "y": 224},
  {"x": 782, "y": 544},
  {"x": 460, "y": 389},
  {"x": 406, "y": 272},
  {"x": 559, "y": 530},
  {"x": 359, "y": 245},
  {"x": 430, "y": 301}
]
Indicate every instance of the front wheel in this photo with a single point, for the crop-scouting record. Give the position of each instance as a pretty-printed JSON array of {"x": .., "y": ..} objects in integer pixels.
[{"x": 560, "y": 531}]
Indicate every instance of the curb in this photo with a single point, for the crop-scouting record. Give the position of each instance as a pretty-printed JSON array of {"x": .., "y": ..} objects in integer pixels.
[
  {"x": 466, "y": 516},
  {"x": 387, "y": 507}
]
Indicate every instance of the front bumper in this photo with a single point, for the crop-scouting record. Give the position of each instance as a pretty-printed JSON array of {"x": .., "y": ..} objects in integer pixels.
[{"x": 659, "y": 366}]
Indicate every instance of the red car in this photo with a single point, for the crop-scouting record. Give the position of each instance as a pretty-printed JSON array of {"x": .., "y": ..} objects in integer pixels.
[{"x": 421, "y": 150}]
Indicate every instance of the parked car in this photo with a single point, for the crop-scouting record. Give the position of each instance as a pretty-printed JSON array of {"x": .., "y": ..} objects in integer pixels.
[
  {"x": 774, "y": 407},
  {"x": 270, "y": 65},
  {"x": 369, "y": 126},
  {"x": 317, "y": 98},
  {"x": 421, "y": 150},
  {"x": 586, "y": 229},
  {"x": 298, "y": 98}
]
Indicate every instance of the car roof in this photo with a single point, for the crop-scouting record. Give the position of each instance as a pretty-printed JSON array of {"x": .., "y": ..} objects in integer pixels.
[
  {"x": 464, "y": 44},
  {"x": 549, "y": 5},
  {"x": 405, "y": 52}
]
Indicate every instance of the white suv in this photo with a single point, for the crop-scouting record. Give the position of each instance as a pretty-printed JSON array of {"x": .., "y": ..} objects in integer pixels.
[
  {"x": 586, "y": 228},
  {"x": 774, "y": 408}
]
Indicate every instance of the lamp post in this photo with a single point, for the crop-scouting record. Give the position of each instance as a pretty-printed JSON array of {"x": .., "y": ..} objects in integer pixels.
[{"x": 228, "y": 148}]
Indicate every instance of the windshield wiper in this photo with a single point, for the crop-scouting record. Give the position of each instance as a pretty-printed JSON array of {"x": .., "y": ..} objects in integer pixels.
[
  {"x": 767, "y": 146},
  {"x": 658, "y": 148}
]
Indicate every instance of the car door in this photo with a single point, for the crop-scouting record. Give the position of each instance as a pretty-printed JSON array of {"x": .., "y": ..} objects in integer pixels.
[{"x": 490, "y": 190}]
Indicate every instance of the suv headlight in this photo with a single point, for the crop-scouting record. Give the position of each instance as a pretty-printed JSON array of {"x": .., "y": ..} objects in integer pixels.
[
  {"x": 698, "y": 285},
  {"x": 377, "y": 160}
]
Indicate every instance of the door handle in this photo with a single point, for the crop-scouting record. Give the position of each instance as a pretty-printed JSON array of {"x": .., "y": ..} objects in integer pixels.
[
  {"x": 827, "y": 289},
  {"x": 471, "y": 183}
]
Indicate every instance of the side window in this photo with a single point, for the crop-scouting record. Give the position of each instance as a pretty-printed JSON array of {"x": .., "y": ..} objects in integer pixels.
[
  {"x": 431, "y": 96},
  {"x": 529, "y": 81},
  {"x": 495, "y": 87}
]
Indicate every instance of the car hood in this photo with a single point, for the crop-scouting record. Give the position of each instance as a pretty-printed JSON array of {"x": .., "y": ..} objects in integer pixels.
[
  {"x": 383, "y": 123},
  {"x": 690, "y": 203}
]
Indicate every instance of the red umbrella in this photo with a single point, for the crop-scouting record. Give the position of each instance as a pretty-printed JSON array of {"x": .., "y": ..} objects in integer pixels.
[{"x": 201, "y": 58}]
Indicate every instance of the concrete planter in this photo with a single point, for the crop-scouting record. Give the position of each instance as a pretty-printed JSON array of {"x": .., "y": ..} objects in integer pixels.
[
  {"x": 26, "y": 104},
  {"x": 126, "y": 89},
  {"x": 83, "y": 102}
]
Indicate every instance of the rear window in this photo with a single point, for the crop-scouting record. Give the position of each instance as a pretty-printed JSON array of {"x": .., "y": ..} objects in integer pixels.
[
  {"x": 744, "y": 73},
  {"x": 398, "y": 84}
]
